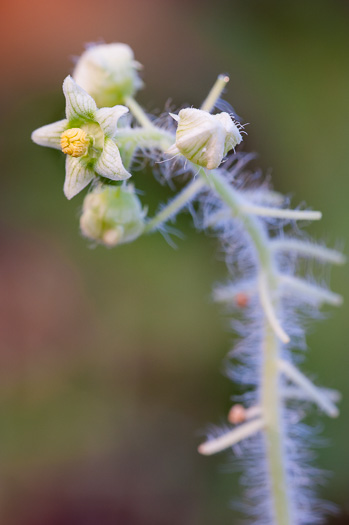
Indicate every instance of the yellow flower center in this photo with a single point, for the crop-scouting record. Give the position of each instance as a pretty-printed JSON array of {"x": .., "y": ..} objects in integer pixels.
[{"x": 75, "y": 142}]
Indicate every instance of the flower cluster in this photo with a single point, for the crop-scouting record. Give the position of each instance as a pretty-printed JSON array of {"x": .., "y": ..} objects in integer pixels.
[
  {"x": 93, "y": 139},
  {"x": 99, "y": 142}
]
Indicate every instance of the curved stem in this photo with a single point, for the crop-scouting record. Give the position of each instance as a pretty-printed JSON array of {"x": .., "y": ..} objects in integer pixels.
[
  {"x": 271, "y": 399},
  {"x": 216, "y": 182},
  {"x": 183, "y": 198},
  {"x": 267, "y": 304}
]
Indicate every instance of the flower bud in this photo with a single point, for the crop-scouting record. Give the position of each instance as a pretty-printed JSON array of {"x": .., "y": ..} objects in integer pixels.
[
  {"x": 204, "y": 138},
  {"x": 109, "y": 73},
  {"x": 112, "y": 215}
]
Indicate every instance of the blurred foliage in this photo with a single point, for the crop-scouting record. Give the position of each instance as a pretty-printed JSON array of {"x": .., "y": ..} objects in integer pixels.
[{"x": 111, "y": 359}]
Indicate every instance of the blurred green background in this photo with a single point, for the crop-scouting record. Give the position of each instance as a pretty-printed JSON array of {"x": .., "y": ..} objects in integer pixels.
[{"x": 110, "y": 360}]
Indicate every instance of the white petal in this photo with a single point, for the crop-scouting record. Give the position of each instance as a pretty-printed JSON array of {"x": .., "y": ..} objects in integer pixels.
[
  {"x": 79, "y": 104},
  {"x": 50, "y": 135},
  {"x": 108, "y": 118},
  {"x": 110, "y": 164},
  {"x": 172, "y": 150},
  {"x": 174, "y": 116},
  {"x": 233, "y": 136},
  {"x": 77, "y": 176},
  {"x": 200, "y": 137}
]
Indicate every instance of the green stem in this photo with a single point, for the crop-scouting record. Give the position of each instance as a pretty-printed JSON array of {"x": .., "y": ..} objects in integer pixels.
[
  {"x": 183, "y": 198},
  {"x": 214, "y": 180},
  {"x": 271, "y": 399},
  {"x": 144, "y": 137},
  {"x": 216, "y": 91},
  {"x": 138, "y": 112},
  {"x": 272, "y": 408}
]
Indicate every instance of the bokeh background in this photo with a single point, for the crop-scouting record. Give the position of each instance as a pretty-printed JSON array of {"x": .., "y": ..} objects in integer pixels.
[{"x": 110, "y": 360}]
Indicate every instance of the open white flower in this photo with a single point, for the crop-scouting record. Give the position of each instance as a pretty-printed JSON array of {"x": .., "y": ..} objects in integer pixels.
[
  {"x": 87, "y": 137},
  {"x": 204, "y": 138},
  {"x": 108, "y": 72}
]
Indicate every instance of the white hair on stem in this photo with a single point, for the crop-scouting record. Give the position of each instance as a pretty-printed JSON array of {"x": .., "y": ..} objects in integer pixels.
[{"x": 251, "y": 224}]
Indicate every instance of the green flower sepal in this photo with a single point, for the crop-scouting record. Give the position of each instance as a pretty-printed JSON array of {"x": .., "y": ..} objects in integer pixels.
[{"x": 87, "y": 137}]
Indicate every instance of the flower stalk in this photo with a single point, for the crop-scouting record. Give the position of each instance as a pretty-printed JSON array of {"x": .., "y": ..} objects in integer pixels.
[
  {"x": 316, "y": 394},
  {"x": 216, "y": 91},
  {"x": 271, "y": 402},
  {"x": 138, "y": 113},
  {"x": 176, "y": 205},
  {"x": 231, "y": 438}
]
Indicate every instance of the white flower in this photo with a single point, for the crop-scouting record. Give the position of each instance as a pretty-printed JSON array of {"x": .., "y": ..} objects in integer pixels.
[
  {"x": 204, "y": 138},
  {"x": 87, "y": 136},
  {"x": 109, "y": 73},
  {"x": 112, "y": 215}
]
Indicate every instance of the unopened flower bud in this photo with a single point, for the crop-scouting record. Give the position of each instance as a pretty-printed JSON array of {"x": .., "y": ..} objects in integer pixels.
[
  {"x": 204, "y": 138},
  {"x": 112, "y": 215},
  {"x": 109, "y": 73}
]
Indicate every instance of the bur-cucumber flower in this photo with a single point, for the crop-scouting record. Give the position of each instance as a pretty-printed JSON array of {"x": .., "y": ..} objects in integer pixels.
[
  {"x": 87, "y": 137},
  {"x": 109, "y": 73},
  {"x": 203, "y": 138}
]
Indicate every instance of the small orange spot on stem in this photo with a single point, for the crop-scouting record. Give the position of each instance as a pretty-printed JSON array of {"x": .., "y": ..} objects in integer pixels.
[
  {"x": 241, "y": 299},
  {"x": 237, "y": 414}
]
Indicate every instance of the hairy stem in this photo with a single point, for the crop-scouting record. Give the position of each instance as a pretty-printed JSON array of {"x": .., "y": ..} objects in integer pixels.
[
  {"x": 307, "y": 249},
  {"x": 271, "y": 403},
  {"x": 271, "y": 399},
  {"x": 216, "y": 182},
  {"x": 142, "y": 137},
  {"x": 296, "y": 215},
  {"x": 183, "y": 198},
  {"x": 314, "y": 393},
  {"x": 310, "y": 292},
  {"x": 269, "y": 309},
  {"x": 231, "y": 438}
]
